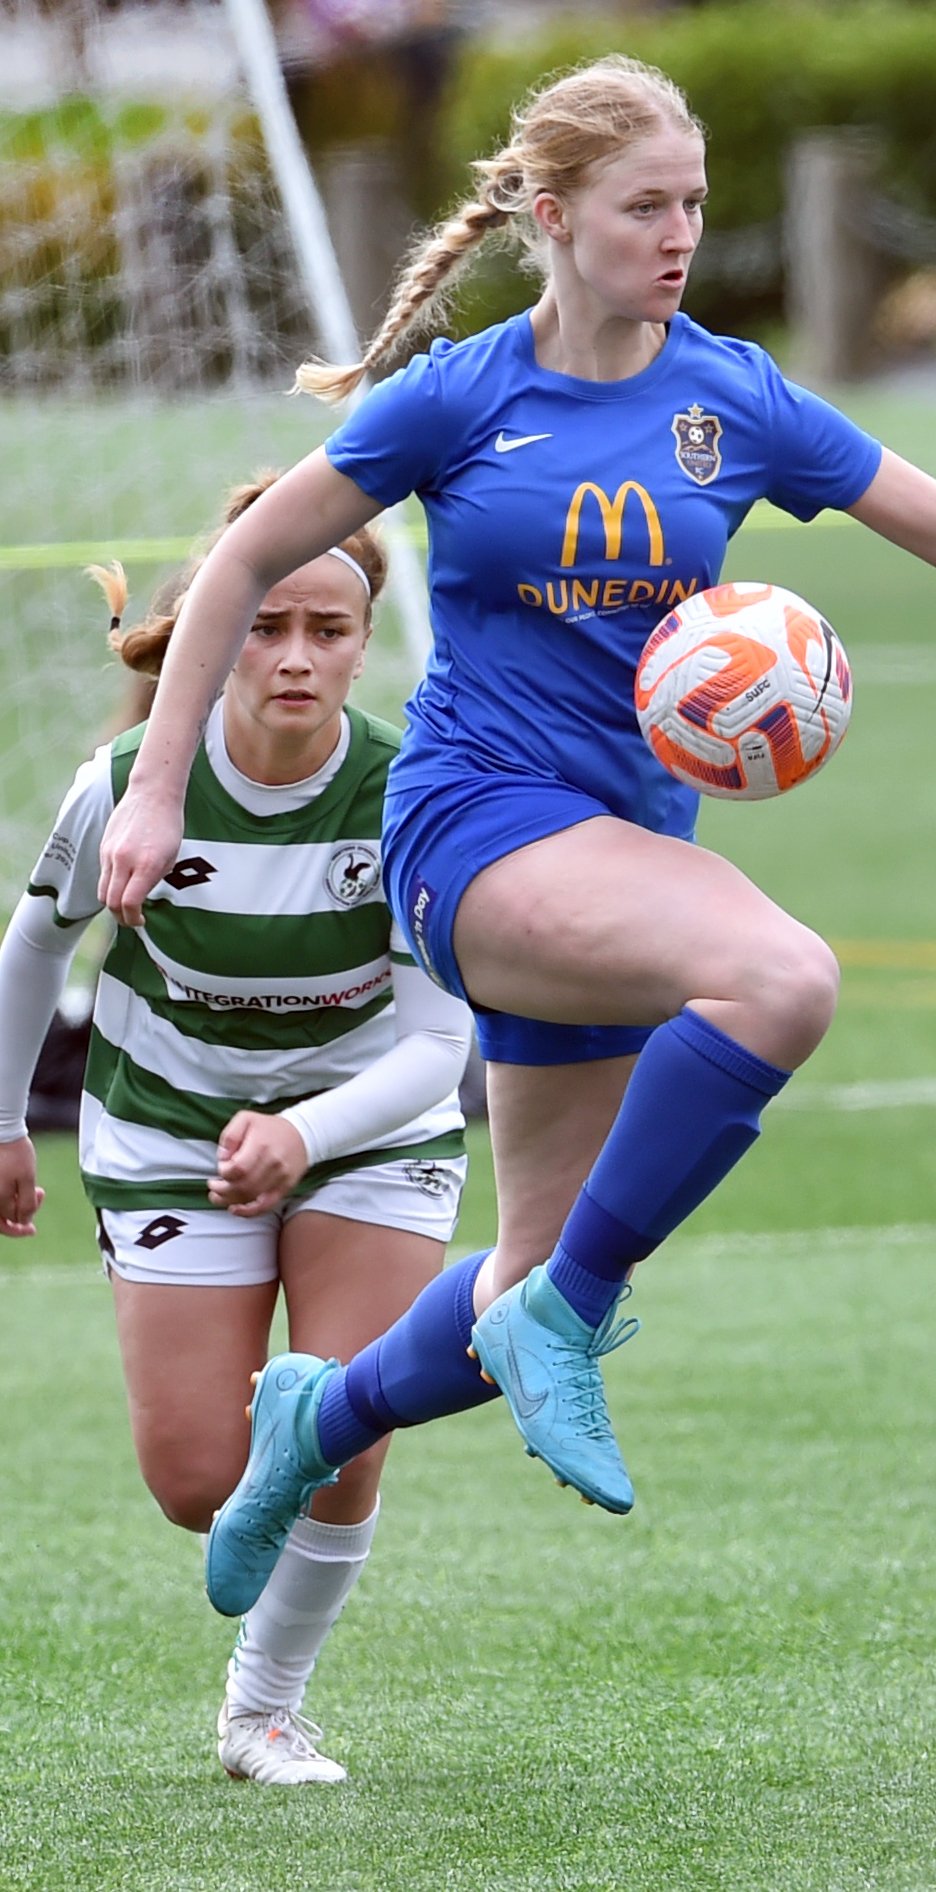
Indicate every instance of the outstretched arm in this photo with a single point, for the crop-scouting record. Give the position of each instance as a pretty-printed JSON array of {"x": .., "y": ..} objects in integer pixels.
[
  {"x": 260, "y": 1158},
  {"x": 310, "y": 509},
  {"x": 900, "y": 504}
]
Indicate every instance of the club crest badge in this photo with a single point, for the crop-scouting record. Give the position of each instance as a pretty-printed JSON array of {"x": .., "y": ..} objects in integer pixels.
[
  {"x": 697, "y": 437},
  {"x": 426, "y": 1176},
  {"x": 353, "y": 873}
]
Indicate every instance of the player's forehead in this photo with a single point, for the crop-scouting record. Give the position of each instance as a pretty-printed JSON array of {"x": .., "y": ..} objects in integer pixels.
[
  {"x": 325, "y": 587},
  {"x": 669, "y": 159}
]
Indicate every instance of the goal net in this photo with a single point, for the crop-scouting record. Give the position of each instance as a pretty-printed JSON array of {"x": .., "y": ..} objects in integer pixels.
[{"x": 152, "y": 313}]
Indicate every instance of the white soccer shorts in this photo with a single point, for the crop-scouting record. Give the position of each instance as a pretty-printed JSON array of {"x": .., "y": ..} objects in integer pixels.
[{"x": 207, "y": 1248}]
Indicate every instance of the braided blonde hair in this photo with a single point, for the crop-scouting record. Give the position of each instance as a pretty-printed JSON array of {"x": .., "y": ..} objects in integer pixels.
[
  {"x": 579, "y": 119},
  {"x": 144, "y": 647}
]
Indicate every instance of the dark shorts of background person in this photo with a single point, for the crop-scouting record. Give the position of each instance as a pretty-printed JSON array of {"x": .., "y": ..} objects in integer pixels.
[{"x": 436, "y": 842}]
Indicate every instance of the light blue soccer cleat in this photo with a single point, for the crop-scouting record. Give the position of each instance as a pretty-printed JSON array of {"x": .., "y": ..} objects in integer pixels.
[
  {"x": 279, "y": 1478},
  {"x": 545, "y": 1360}
]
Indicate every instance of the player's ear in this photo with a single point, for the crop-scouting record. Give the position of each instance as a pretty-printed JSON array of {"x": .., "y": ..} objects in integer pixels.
[
  {"x": 362, "y": 653},
  {"x": 552, "y": 216}
]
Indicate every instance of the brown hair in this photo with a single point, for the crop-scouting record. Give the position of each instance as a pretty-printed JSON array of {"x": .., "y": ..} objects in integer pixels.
[
  {"x": 558, "y": 132},
  {"x": 144, "y": 647}
]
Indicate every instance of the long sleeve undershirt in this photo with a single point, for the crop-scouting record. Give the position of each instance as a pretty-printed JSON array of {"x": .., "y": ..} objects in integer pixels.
[{"x": 433, "y": 1032}]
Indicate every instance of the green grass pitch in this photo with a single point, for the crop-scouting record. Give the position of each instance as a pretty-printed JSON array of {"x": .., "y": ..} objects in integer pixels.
[{"x": 731, "y": 1691}]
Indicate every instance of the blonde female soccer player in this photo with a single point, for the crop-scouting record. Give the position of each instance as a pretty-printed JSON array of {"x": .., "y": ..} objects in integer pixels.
[
  {"x": 262, "y": 1044},
  {"x": 582, "y": 467}
]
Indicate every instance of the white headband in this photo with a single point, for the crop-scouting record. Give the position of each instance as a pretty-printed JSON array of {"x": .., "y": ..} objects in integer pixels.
[{"x": 335, "y": 551}]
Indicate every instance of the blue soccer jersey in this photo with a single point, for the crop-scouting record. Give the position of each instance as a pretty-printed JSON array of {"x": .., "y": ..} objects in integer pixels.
[{"x": 566, "y": 517}]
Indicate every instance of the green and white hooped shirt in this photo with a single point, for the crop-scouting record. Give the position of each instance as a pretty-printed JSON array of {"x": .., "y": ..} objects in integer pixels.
[{"x": 263, "y": 972}]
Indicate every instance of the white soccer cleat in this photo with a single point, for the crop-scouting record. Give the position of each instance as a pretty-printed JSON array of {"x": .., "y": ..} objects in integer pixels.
[{"x": 275, "y": 1748}]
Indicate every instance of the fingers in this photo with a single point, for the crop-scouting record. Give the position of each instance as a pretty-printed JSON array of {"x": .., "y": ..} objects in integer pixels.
[
  {"x": 123, "y": 891},
  {"x": 270, "y": 1199},
  {"x": 232, "y": 1139},
  {"x": 259, "y": 1160},
  {"x": 139, "y": 845},
  {"x": 243, "y": 1200},
  {"x": 19, "y": 1219}
]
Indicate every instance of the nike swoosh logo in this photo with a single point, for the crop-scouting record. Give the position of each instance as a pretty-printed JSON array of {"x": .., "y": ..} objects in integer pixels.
[
  {"x": 503, "y": 445},
  {"x": 527, "y": 1404}
]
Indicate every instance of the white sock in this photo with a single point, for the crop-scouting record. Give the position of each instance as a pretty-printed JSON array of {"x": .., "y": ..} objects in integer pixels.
[{"x": 281, "y": 1636}]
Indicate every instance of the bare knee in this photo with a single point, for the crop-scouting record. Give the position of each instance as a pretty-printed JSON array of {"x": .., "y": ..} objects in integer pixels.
[
  {"x": 799, "y": 997},
  {"x": 188, "y": 1486}
]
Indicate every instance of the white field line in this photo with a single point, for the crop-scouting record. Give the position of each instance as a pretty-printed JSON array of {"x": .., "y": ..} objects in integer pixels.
[
  {"x": 790, "y": 1243},
  {"x": 80, "y": 1273},
  {"x": 798, "y": 1243},
  {"x": 882, "y": 1094},
  {"x": 902, "y": 1093},
  {"x": 893, "y": 663}
]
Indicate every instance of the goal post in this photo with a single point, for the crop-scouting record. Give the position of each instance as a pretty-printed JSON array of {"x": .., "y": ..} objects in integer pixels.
[
  {"x": 154, "y": 305},
  {"x": 315, "y": 254}
]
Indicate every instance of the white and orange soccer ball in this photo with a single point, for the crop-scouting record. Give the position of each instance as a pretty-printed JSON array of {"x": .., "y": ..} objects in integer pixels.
[{"x": 743, "y": 691}]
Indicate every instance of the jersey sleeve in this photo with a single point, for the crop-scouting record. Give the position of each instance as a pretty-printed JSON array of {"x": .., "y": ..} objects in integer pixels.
[
  {"x": 68, "y": 869},
  {"x": 423, "y": 1067},
  {"x": 819, "y": 457},
  {"x": 397, "y": 441}
]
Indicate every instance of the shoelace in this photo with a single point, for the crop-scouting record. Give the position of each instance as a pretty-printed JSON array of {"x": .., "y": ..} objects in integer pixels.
[
  {"x": 302, "y": 1733},
  {"x": 581, "y": 1378},
  {"x": 305, "y": 1733}
]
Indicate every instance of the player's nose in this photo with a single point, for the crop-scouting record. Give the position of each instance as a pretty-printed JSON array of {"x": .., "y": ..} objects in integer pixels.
[
  {"x": 680, "y": 233},
  {"x": 295, "y": 652}
]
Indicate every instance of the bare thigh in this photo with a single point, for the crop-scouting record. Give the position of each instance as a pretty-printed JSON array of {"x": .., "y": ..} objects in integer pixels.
[
  {"x": 187, "y": 1355},
  {"x": 606, "y": 923},
  {"x": 345, "y": 1283}
]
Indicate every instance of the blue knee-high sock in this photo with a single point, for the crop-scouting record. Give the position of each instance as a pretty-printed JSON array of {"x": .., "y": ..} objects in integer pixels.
[
  {"x": 690, "y": 1111},
  {"x": 419, "y": 1369}
]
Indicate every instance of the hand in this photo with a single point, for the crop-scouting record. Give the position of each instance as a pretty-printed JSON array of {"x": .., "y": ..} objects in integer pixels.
[
  {"x": 141, "y": 841},
  {"x": 259, "y": 1160},
  {"x": 19, "y": 1196}
]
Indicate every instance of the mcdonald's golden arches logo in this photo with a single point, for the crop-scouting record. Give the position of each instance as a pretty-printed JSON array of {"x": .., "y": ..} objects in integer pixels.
[{"x": 612, "y": 515}]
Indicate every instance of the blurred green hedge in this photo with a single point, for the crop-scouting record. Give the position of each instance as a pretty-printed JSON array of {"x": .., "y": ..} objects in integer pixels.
[{"x": 758, "y": 75}]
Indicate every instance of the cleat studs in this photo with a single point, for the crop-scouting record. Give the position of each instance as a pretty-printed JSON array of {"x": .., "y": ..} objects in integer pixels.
[
  {"x": 471, "y": 1352},
  {"x": 488, "y": 1378},
  {"x": 530, "y": 1452},
  {"x": 247, "y": 1413},
  {"x": 585, "y": 1500},
  {"x": 563, "y": 1484},
  {"x": 254, "y": 1378}
]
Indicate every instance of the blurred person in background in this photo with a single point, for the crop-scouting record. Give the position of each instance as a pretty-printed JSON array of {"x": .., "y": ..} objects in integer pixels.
[{"x": 263, "y": 1045}]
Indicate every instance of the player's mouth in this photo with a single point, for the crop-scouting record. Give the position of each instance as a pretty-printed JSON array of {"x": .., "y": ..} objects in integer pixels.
[
  {"x": 672, "y": 279},
  {"x": 294, "y": 696}
]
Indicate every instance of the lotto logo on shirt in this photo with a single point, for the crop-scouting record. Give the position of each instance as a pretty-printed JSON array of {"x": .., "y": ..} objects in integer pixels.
[{"x": 623, "y": 530}]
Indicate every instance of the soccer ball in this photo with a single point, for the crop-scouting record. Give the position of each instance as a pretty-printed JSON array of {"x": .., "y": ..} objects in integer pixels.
[{"x": 743, "y": 691}]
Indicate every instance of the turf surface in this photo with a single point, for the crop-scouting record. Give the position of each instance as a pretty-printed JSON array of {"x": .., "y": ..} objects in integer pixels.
[{"x": 733, "y": 1689}]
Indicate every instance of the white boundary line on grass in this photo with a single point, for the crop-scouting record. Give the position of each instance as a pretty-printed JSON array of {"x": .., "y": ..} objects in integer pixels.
[
  {"x": 792, "y": 1243},
  {"x": 899, "y": 1093}
]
